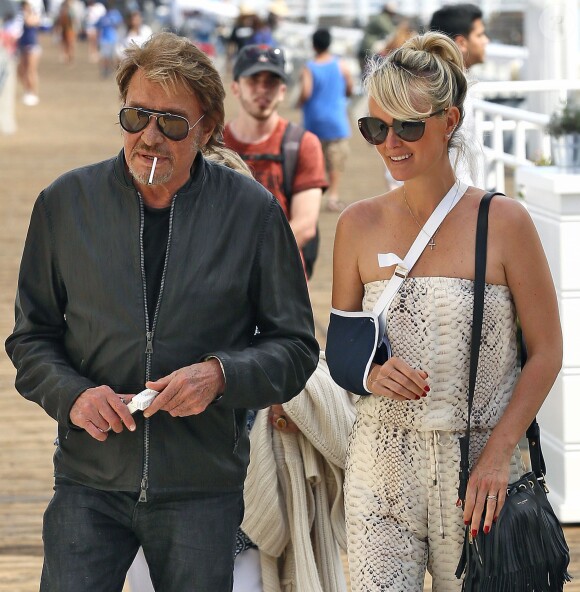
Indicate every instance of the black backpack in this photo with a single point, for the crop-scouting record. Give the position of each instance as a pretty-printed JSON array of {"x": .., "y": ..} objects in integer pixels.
[{"x": 288, "y": 156}]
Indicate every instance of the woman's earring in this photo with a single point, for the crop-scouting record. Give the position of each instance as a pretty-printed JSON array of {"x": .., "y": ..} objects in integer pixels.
[{"x": 448, "y": 136}]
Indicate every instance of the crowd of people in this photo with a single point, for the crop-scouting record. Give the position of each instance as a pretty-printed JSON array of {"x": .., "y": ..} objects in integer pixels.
[{"x": 249, "y": 466}]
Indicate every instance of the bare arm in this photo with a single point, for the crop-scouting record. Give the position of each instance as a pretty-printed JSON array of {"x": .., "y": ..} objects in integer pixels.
[
  {"x": 306, "y": 86},
  {"x": 529, "y": 279},
  {"x": 346, "y": 74},
  {"x": 304, "y": 210},
  {"x": 395, "y": 379}
]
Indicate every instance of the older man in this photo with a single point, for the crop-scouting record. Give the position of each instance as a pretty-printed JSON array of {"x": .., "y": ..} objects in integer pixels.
[{"x": 156, "y": 268}]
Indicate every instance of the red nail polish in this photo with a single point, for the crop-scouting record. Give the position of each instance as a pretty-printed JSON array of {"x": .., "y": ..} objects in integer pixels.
[
  {"x": 427, "y": 389},
  {"x": 495, "y": 518},
  {"x": 474, "y": 532},
  {"x": 466, "y": 522},
  {"x": 486, "y": 529}
]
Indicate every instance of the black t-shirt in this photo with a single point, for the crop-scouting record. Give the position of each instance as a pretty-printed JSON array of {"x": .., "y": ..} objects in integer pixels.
[{"x": 155, "y": 236}]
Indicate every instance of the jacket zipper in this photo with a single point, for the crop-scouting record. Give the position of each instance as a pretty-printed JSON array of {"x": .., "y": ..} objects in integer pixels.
[{"x": 150, "y": 329}]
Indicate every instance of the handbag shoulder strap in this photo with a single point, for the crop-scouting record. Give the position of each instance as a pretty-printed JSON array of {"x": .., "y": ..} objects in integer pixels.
[
  {"x": 418, "y": 246},
  {"x": 478, "y": 303},
  {"x": 533, "y": 432}
]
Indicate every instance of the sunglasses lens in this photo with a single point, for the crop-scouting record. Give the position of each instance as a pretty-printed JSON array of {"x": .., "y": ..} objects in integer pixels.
[
  {"x": 273, "y": 55},
  {"x": 173, "y": 126},
  {"x": 133, "y": 120},
  {"x": 373, "y": 130},
  {"x": 409, "y": 131}
]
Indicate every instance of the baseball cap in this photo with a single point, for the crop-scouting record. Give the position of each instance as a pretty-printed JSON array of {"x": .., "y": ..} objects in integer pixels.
[{"x": 252, "y": 59}]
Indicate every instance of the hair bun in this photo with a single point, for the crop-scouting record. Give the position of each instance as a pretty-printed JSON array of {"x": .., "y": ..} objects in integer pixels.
[{"x": 439, "y": 45}]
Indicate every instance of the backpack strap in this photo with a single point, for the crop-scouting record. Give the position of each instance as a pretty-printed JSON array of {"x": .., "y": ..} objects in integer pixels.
[
  {"x": 288, "y": 156},
  {"x": 273, "y": 157},
  {"x": 289, "y": 148}
]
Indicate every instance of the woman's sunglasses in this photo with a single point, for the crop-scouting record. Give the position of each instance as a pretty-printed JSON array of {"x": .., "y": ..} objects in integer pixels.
[
  {"x": 375, "y": 130},
  {"x": 174, "y": 127}
]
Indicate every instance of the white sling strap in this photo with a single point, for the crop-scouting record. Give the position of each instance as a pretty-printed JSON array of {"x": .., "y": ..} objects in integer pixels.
[{"x": 404, "y": 266}]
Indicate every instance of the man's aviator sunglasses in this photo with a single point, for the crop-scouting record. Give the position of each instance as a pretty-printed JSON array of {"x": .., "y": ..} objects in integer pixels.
[
  {"x": 174, "y": 127},
  {"x": 375, "y": 130}
]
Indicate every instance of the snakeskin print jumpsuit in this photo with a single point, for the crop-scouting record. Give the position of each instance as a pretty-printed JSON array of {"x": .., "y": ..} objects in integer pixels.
[{"x": 403, "y": 459}]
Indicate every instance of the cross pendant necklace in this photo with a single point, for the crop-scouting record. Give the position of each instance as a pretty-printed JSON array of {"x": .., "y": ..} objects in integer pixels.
[{"x": 431, "y": 242}]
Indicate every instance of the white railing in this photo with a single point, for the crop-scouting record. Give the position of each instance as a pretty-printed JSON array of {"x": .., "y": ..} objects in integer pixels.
[{"x": 527, "y": 135}]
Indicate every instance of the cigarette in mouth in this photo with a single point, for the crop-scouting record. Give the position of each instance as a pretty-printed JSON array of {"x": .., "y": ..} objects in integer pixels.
[{"x": 152, "y": 170}]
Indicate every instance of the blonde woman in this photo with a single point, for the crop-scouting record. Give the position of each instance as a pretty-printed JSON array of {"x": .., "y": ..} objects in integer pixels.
[{"x": 403, "y": 463}]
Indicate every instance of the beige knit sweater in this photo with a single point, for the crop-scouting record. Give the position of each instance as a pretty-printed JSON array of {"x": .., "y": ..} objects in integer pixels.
[{"x": 293, "y": 490}]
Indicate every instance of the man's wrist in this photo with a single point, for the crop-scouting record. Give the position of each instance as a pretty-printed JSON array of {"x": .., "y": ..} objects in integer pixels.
[{"x": 222, "y": 377}]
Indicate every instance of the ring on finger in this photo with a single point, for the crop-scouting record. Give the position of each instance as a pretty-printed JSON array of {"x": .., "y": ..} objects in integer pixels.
[
  {"x": 122, "y": 400},
  {"x": 492, "y": 498},
  {"x": 281, "y": 422}
]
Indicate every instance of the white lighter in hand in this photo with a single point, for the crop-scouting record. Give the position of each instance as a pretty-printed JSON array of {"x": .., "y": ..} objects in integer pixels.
[{"x": 142, "y": 400}]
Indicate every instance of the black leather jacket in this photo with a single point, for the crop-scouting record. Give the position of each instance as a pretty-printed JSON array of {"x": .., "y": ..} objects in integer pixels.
[{"x": 232, "y": 266}]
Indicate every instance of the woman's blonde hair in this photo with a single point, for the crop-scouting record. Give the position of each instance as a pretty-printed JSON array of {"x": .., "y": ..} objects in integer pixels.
[
  {"x": 424, "y": 75},
  {"x": 228, "y": 158}
]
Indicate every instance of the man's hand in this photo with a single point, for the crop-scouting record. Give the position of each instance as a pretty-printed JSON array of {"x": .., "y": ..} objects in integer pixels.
[
  {"x": 99, "y": 410},
  {"x": 187, "y": 391}
]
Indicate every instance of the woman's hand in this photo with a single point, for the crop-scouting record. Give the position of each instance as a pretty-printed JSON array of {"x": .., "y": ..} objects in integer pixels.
[
  {"x": 396, "y": 380},
  {"x": 486, "y": 490},
  {"x": 281, "y": 421}
]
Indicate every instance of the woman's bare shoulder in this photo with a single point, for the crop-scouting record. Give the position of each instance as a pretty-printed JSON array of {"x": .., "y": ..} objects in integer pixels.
[
  {"x": 365, "y": 211},
  {"x": 503, "y": 209},
  {"x": 509, "y": 215}
]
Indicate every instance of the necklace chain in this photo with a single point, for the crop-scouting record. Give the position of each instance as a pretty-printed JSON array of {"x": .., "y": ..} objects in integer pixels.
[{"x": 432, "y": 238}]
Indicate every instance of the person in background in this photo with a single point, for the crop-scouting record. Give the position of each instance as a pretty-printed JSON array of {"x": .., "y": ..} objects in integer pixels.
[
  {"x": 108, "y": 27},
  {"x": 242, "y": 30},
  {"x": 277, "y": 12},
  {"x": 402, "y": 472},
  {"x": 213, "y": 318},
  {"x": 257, "y": 131},
  {"x": 137, "y": 33},
  {"x": 29, "y": 51},
  {"x": 403, "y": 32},
  {"x": 10, "y": 31},
  {"x": 378, "y": 28},
  {"x": 262, "y": 33},
  {"x": 93, "y": 12},
  {"x": 67, "y": 24},
  {"x": 464, "y": 24},
  {"x": 326, "y": 83}
]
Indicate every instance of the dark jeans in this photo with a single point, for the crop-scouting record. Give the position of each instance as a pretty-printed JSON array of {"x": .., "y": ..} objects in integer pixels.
[{"x": 91, "y": 537}]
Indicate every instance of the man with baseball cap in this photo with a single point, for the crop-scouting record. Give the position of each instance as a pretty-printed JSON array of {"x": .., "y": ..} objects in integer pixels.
[{"x": 257, "y": 133}]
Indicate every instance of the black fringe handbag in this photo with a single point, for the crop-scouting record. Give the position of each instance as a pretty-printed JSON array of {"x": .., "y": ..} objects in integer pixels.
[{"x": 525, "y": 551}]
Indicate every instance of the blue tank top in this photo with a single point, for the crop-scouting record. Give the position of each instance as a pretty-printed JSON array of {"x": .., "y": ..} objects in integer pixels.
[{"x": 325, "y": 112}]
